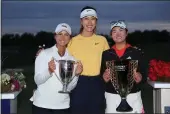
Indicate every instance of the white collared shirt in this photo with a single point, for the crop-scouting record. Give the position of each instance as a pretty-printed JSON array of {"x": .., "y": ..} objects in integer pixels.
[{"x": 46, "y": 94}]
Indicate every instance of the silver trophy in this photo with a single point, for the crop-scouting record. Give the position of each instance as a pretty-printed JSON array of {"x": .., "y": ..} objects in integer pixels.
[
  {"x": 66, "y": 73},
  {"x": 121, "y": 73}
]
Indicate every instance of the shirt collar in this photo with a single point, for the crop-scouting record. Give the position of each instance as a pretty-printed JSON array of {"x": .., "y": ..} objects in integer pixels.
[
  {"x": 57, "y": 56},
  {"x": 126, "y": 46}
]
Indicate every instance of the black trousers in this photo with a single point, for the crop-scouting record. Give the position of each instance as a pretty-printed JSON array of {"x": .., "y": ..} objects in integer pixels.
[
  {"x": 88, "y": 96},
  {"x": 39, "y": 110}
]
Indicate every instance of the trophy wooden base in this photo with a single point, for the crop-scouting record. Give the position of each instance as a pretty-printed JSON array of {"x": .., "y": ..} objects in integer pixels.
[{"x": 124, "y": 106}]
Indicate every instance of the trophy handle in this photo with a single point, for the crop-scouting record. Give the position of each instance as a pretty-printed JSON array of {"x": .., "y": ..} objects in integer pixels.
[
  {"x": 113, "y": 74},
  {"x": 55, "y": 72},
  {"x": 133, "y": 64}
]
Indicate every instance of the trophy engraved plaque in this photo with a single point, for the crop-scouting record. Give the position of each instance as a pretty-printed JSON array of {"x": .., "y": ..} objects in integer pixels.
[{"x": 121, "y": 73}]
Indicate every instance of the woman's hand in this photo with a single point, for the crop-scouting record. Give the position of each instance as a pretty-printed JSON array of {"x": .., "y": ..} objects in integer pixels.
[
  {"x": 106, "y": 75},
  {"x": 79, "y": 68},
  {"x": 51, "y": 66},
  {"x": 40, "y": 49},
  {"x": 137, "y": 76}
]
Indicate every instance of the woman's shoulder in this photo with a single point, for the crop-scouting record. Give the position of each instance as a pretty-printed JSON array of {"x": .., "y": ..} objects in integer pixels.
[
  {"x": 108, "y": 52},
  {"x": 44, "y": 54},
  {"x": 137, "y": 49},
  {"x": 100, "y": 36},
  {"x": 76, "y": 36},
  {"x": 48, "y": 50},
  {"x": 70, "y": 56},
  {"x": 74, "y": 39}
]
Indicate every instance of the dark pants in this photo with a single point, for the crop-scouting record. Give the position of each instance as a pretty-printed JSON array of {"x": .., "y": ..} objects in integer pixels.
[
  {"x": 88, "y": 96},
  {"x": 38, "y": 110}
]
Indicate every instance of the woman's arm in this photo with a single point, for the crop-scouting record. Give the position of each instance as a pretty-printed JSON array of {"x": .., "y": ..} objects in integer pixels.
[
  {"x": 42, "y": 73},
  {"x": 142, "y": 68}
]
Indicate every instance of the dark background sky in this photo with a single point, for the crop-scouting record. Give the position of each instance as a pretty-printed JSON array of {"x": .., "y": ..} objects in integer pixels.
[{"x": 34, "y": 16}]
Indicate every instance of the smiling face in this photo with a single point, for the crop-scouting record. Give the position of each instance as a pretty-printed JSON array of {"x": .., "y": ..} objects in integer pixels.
[
  {"x": 89, "y": 23},
  {"x": 62, "y": 38},
  {"x": 119, "y": 35}
]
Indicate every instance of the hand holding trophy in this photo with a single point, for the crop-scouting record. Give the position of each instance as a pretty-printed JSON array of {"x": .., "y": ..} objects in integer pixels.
[
  {"x": 51, "y": 66},
  {"x": 79, "y": 68},
  {"x": 137, "y": 76},
  {"x": 122, "y": 78},
  {"x": 106, "y": 75}
]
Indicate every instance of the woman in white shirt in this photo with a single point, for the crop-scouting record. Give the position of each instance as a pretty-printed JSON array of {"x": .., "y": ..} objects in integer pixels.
[{"x": 46, "y": 98}]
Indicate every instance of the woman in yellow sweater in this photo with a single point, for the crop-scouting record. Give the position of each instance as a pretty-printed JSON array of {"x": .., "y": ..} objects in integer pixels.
[{"x": 88, "y": 96}]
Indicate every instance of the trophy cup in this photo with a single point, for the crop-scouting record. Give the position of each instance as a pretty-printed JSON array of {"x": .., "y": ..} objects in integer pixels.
[
  {"x": 66, "y": 73},
  {"x": 121, "y": 73}
]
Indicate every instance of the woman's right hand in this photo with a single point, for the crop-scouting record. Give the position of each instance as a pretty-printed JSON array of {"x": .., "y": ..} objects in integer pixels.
[
  {"x": 51, "y": 66},
  {"x": 106, "y": 75}
]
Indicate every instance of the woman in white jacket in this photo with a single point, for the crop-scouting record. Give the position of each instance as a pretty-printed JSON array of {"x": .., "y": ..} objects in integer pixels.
[{"x": 46, "y": 98}]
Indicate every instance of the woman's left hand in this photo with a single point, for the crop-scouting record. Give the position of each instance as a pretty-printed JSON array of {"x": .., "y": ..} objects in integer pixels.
[
  {"x": 137, "y": 76},
  {"x": 79, "y": 68}
]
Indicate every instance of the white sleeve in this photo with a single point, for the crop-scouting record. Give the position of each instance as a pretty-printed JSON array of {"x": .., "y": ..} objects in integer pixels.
[
  {"x": 74, "y": 81},
  {"x": 41, "y": 69}
]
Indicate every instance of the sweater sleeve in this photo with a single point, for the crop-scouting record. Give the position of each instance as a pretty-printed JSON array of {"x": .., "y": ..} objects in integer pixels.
[
  {"x": 142, "y": 68},
  {"x": 41, "y": 69}
]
